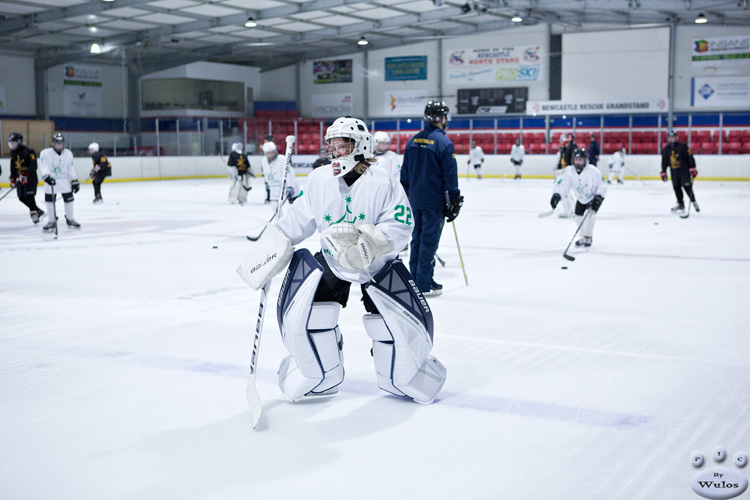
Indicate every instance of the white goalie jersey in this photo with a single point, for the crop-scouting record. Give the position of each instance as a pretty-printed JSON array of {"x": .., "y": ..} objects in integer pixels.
[
  {"x": 584, "y": 186},
  {"x": 376, "y": 198}
]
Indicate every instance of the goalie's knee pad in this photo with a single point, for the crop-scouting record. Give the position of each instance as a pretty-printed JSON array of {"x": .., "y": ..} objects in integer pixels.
[
  {"x": 310, "y": 332},
  {"x": 402, "y": 336}
]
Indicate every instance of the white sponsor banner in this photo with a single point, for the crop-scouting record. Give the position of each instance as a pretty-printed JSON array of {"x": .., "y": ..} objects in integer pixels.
[
  {"x": 596, "y": 107},
  {"x": 2, "y": 99},
  {"x": 721, "y": 51},
  {"x": 82, "y": 91},
  {"x": 404, "y": 102},
  {"x": 491, "y": 65},
  {"x": 331, "y": 105},
  {"x": 720, "y": 91}
]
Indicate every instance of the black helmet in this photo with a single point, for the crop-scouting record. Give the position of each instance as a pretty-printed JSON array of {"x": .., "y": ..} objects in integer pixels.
[
  {"x": 435, "y": 110},
  {"x": 269, "y": 138},
  {"x": 672, "y": 133},
  {"x": 580, "y": 153},
  {"x": 58, "y": 138},
  {"x": 15, "y": 137}
]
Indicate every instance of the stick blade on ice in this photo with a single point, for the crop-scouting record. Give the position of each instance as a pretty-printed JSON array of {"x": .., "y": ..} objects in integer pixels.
[
  {"x": 254, "y": 402},
  {"x": 569, "y": 257}
]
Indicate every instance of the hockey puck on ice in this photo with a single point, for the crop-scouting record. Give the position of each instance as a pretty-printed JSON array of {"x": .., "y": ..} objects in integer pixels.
[
  {"x": 563, "y": 267},
  {"x": 656, "y": 223},
  {"x": 216, "y": 247}
]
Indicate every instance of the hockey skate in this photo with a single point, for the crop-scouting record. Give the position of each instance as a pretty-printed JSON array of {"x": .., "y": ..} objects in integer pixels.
[
  {"x": 678, "y": 208},
  {"x": 72, "y": 223},
  {"x": 620, "y": 182},
  {"x": 433, "y": 293},
  {"x": 585, "y": 241},
  {"x": 98, "y": 199},
  {"x": 36, "y": 215},
  {"x": 435, "y": 286},
  {"x": 50, "y": 226},
  {"x": 696, "y": 207}
]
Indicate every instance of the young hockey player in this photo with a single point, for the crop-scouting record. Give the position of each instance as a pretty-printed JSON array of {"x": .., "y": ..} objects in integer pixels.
[
  {"x": 364, "y": 219},
  {"x": 476, "y": 158},
  {"x": 517, "y": 152},
  {"x": 273, "y": 165},
  {"x": 588, "y": 186},
  {"x": 387, "y": 159},
  {"x": 23, "y": 175},
  {"x": 102, "y": 168},
  {"x": 677, "y": 156},
  {"x": 239, "y": 174},
  {"x": 56, "y": 165},
  {"x": 617, "y": 166}
]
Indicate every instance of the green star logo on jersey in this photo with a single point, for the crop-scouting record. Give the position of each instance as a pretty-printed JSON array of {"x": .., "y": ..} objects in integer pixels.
[
  {"x": 346, "y": 217},
  {"x": 581, "y": 188}
]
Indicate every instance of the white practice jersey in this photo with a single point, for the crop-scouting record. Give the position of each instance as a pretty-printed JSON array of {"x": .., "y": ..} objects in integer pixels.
[
  {"x": 476, "y": 155},
  {"x": 585, "y": 185},
  {"x": 517, "y": 152},
  {"x": 59, "y": 167},
  {"x": 389, "y": 161},
  {"x": 274, "y": 174},
  {"x": 375, "y": 198},
  {"x": 617, "y": 162}
]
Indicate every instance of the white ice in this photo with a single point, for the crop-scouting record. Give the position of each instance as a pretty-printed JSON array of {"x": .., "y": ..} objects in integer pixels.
[{"x": 125, "y": 346}]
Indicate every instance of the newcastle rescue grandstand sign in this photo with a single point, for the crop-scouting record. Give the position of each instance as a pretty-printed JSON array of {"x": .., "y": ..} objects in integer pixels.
[{"x": 595, "y": 107}]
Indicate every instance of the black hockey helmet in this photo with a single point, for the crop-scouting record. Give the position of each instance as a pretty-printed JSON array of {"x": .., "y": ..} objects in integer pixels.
[
  {"x": 15, "y": 137},
  {"x": 435, "y": 110},
  {"x": 269, "y": 138},
  {"x": 58, "y": 138},
  {"x": 580, "y": 159},
  {"x": 672, "y": 133}
]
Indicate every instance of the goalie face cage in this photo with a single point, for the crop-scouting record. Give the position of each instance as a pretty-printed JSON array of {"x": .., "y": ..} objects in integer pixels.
[{"x": 395, "y": 281}]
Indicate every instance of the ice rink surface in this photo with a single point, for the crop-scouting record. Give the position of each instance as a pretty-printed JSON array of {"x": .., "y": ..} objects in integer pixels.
[{"x": 125, "y": 346}]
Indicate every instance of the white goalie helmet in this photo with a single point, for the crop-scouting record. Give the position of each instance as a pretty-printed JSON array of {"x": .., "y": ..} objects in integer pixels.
[
  {"x": 382, "y": 141},
  {"x": 93, "y": 147},
  {"x": 237, "y": 147},
  {"x": 269, "y": 147},
  {"x": 348, "y": 142}
]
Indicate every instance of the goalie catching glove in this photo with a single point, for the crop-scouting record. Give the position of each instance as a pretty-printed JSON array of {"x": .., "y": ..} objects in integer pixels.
[
  {"x": 356, "y": 247},
  {"x": 270, "y": 255}
]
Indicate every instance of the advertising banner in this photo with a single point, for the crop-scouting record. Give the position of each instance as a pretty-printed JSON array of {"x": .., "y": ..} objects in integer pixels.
[
  {"x": 404, "y": 102},
  {"x": 405, "y": 68},
  {"x": 658, "y": 105},
  {"x": 495, "y": 64},
  {"x": 82, "y": 91},
  {"x": 492, "y": 101},
  {"x": 331, "y": 105},
  {"x": 721, "y": 51},
  {"x": 720, "y": 91}
]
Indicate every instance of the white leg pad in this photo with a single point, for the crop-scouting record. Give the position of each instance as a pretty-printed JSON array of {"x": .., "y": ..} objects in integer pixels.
[
  {"x": 316, "y": 363},
  {"x": 402, "y": 363}
]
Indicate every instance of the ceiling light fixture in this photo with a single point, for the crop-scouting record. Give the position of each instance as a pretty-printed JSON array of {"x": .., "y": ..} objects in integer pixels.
[
  {"x": 250, "y": 23},
  {"x": 362, "y": 41},
  {"x": 517, "y": 18},
  {"x": 701, "y": 19},
  {"x": 95, "y": 49}
]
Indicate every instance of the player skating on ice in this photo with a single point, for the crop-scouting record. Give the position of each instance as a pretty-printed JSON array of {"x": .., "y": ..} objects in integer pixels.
[
  {"x": 588, "y": 187},
  {"x": 273, "y": 164},
  {"x": 56, "y": 165},
  {"x": 517, "y": 152},
  {"x": 239, "y": 174},
  {"x": 364, "y": 219},
  {"x": 23, "y": 176},
  {"x": 617, "y": 166},
  {"x": 387, "y": 159},
  {"x": 476, "y": 158},
  {"x": 102, "y": 169},
  {"x": 677, "y": 157}
]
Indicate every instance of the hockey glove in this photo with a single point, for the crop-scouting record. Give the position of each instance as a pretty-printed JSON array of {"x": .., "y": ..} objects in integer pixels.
[
  {"x": 91, "y": 174},
  {"x": 555, "y": 200},
  {"x": 12, "y": 182},
  {"x": 452, "y": 209},
  {"x": 597, "y": 202},
  {"x": 663, "y": 176},
  {"x": 694, "y": 172},
  {"x": 75, "y": 185},
  {"x": 22, "y": 179},
  {"x": 49, "y": 180}
]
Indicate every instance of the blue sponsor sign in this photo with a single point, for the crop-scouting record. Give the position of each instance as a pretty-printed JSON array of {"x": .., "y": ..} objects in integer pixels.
[{"x": 405, "y": 68}]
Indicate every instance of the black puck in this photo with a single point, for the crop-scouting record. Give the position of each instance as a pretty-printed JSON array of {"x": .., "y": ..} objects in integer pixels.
[
  {"x": 216, "y": 247},
  {"x": 563, "y": 267}
]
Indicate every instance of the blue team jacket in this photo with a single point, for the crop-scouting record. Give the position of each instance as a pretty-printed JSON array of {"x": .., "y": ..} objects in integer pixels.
[{"x": 429, "y": 169}]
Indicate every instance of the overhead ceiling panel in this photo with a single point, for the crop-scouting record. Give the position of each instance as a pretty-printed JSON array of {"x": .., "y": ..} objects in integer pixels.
[
  {"x": 159, "y": 18},
  {"x": 127, "y": 25},
  {"x": 173, "y": 4},
  {"x": 211, "y": 10},
  {"x": 12, "y": 8},
  {"x": 253, "y": 4},
  {"x": 127, "y": 12},
  {"x": 255, "y": 33}
]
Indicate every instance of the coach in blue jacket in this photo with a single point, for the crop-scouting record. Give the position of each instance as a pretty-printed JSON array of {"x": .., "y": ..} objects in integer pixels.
[{"x": 429, "y": 175}]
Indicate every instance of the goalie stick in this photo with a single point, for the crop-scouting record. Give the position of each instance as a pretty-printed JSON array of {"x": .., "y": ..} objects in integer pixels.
[
  {"x": 251, "y": 392},
  {"x": 565, "y": 253}
]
